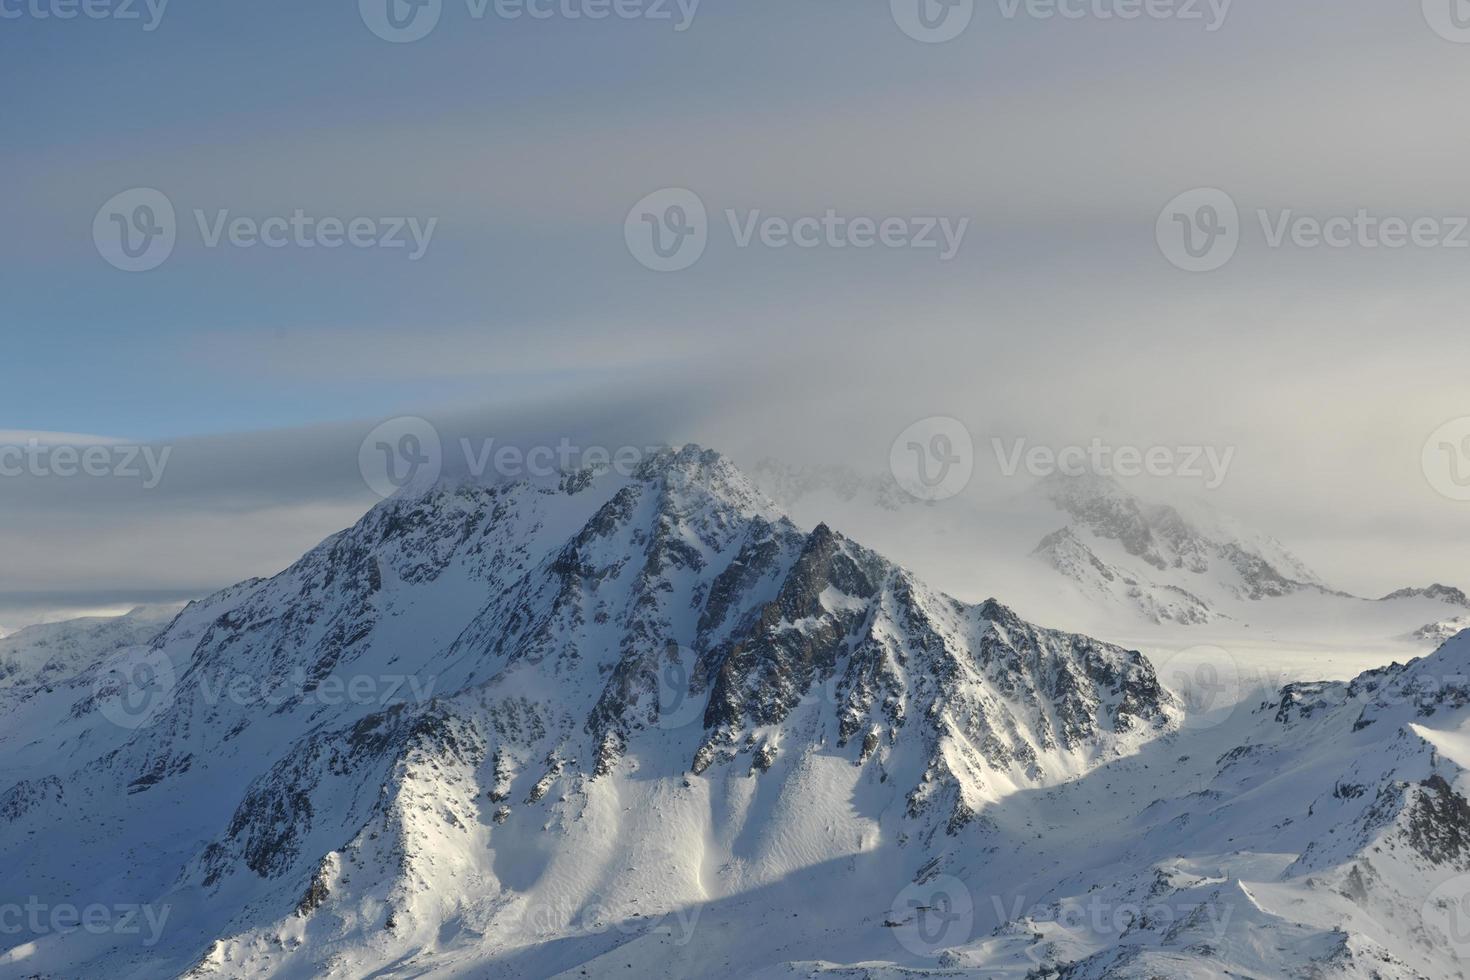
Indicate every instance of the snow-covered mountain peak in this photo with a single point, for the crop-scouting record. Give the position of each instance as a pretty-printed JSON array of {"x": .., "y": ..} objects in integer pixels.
[
  {"x": 484, "y": 697},
  {"x": 1187, "y": 565},
  {"x": 620, "y": 723},
  {"x": 1166, "y": 535}
]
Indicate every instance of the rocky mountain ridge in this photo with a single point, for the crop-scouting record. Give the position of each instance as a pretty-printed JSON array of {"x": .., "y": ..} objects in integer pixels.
[
  {"x": 612, "y": 726},
  {"x": 573, "y": 643}
]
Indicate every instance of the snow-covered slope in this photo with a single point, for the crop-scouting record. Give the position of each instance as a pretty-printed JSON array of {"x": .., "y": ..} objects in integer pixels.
[
  {"x": 649, "y": 726},
  {"x": 624, "y": 695},
  {"x": 53, "y": 652},
  {"x": 1329, "y": 837}
]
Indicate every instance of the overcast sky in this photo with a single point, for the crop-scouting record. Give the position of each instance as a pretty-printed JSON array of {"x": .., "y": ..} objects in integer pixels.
[{"x": 1058, "y": 319}]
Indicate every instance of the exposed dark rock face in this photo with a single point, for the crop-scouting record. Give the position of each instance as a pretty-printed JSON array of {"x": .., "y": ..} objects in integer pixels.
[
  {"x": 28, "y": 795},
  {"x": 795, "y": 639},
  {"x": 1439, "y": 823},
  {"x": 1444, "y": 593},
  {"x": 317, "y": 892}
]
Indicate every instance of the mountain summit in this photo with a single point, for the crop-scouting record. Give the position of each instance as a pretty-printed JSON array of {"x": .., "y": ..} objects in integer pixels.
[
  {"x": 634, "y": 693},
  {"x": 624, "y": 725}
]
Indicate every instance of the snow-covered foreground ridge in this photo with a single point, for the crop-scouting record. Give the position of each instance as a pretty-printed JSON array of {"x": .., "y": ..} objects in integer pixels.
[{"x": 647, "y": 726}]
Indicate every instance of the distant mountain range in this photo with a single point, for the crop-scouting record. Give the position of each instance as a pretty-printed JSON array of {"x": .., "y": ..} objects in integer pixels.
[
  {"x": 1119, "y": 552},
  {"x": 51, "y": 652}
]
